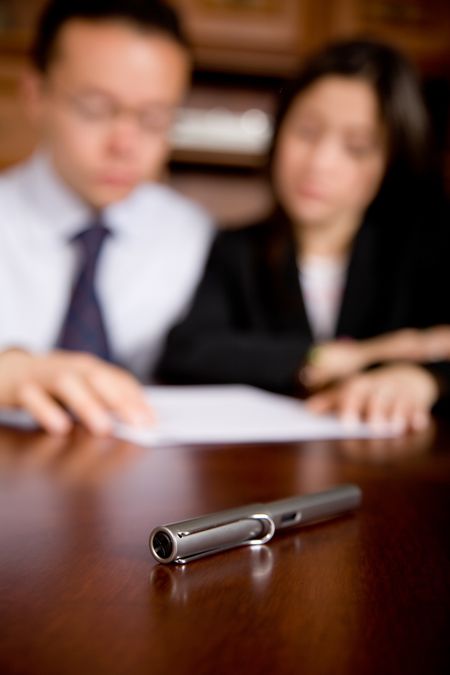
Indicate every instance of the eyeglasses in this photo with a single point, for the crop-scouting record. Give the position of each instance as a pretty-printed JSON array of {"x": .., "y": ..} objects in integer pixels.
[{"x": 97, "y": 109}]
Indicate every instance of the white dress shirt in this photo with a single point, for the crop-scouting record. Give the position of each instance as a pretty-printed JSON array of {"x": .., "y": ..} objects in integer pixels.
[
  {"x": 145, "y": 278},
  {"x": 322, "y": 281}
]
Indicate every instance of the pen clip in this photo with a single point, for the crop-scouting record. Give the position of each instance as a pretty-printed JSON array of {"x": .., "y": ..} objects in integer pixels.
[
  {"x": 268, "y": 524},
  {"x": 270, "y": 529}
]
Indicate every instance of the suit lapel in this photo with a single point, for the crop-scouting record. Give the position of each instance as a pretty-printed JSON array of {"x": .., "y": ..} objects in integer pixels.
[
  {"x": 283, "y": 287},
  {"x": 360, "y": 290}
]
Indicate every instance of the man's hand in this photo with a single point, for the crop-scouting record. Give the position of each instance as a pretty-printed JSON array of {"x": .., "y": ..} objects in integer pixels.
[
  {"x": 59, "y": 386},
  {"x": 395, "y": 396}
]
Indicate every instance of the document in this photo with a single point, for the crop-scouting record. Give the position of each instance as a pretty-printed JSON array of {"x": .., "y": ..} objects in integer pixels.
[{"x": 235, "y": 414}]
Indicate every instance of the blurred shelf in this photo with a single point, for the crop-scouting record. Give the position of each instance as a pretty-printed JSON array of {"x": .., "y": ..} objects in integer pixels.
[
  {"x": 244, "y": 50},
  {"x": 217, "y": 159},
  {"x": 221, "y": 135}
]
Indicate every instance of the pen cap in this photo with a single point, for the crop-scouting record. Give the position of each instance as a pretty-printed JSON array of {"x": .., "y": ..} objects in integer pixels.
[
  {"x": 210, "y": 533},
  {"x": 314, "y": 507}
]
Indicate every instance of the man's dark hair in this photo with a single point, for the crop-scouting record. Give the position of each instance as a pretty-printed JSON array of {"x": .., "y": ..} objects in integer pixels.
[{"x": 147, "y": 15}]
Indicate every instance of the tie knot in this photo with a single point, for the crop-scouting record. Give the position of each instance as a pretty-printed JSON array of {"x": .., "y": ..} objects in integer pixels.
[{"x": 91, "y": 239}]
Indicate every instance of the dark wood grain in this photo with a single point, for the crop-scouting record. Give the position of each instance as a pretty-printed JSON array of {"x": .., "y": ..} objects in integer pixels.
[{"x": 79, "y": 592}]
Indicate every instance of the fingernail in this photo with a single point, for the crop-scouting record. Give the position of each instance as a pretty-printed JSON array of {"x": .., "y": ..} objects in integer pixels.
[
  {"x": 398, "y": 425},
  {"x": 382, "y": 426},
  {"x": 349, "y": 420},
  {"x": 61, "y": 425},
  {"x": 378, "y": 424},
  {"x": 101, "y": 425}
]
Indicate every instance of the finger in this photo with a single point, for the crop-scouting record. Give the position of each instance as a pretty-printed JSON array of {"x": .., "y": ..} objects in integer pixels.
[
  {"x": 413, "y": 416},
  {"x": 313, "y": 376},
  {"x": 352, "y": 401},
  {"x": 44, "y": 409},
  {"x": 380, "y": 406},
  {"x": 323, "y": 402},
  {"x": 76, "y": 394},
  {"x": 123, "y": 395},
  {"x": 308, "y": 371},
  {"x": 420, "y": 419},
  {"x": 401, "y": 415}
]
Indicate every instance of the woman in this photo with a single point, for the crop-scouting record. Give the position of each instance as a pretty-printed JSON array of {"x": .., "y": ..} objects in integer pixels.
[{"x": 344, "y": 252}]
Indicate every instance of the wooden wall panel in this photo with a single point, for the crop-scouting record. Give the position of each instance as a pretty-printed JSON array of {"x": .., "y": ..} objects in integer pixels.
[{"x": 241, "y": 37}]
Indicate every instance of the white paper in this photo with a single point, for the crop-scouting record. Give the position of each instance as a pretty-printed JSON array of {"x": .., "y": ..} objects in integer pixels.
[{"x": 236, "y": 414}]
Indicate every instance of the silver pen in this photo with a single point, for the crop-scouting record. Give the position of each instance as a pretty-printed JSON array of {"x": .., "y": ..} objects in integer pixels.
[{"x": 252, "y": 525}]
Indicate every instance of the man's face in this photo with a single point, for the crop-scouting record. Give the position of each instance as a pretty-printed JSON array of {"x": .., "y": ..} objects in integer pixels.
[{"x": 106, "y": 104}]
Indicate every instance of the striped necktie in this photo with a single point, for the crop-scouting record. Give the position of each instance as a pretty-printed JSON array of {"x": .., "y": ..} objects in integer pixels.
[{"x": 83, "y": 329}]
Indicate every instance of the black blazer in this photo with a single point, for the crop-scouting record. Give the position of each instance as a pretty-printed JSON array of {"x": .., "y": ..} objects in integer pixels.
[{"x": 248, "y": 322}]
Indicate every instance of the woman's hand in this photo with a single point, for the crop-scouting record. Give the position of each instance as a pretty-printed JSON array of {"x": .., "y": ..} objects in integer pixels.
[
  {"x": 436, "y": 344},
  {"x": 339, "y": 359},
  {"x": 333, "y": 361},
  {"x": 398, "y": 397}
]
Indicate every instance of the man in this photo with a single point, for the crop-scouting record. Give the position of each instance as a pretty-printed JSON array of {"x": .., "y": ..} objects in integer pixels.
[{"x": 96, "y": 263}]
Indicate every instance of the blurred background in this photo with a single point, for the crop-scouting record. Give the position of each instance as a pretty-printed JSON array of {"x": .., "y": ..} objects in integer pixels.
[{"x": 244, "y": 51}]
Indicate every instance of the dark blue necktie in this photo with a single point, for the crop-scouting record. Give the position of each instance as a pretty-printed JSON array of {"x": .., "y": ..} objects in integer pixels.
[{"x": 83, "y": 329}]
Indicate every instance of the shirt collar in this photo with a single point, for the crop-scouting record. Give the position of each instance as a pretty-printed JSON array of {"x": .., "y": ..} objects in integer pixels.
[{"x": 62, "y": 209}]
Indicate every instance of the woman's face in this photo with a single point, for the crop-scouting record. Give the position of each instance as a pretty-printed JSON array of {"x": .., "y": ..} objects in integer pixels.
[{"x": 331, "y": 152}]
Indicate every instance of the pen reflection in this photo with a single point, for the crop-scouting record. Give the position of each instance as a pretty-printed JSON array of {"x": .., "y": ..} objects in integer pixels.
[
  {"x": 180, "y": 584},
  {"x": 251, "y": 566}
]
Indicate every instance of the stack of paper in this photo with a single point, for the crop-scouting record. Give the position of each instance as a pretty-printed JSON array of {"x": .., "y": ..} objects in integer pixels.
[{"x": 235, "y": 414}]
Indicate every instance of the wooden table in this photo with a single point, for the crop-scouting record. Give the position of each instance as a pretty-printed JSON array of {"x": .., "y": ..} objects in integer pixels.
[{"x": 79, "y": 592}]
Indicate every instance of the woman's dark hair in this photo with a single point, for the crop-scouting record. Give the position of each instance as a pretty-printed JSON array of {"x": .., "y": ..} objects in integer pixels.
[
  {"x": 397, "y": 89},
  {"x": 147, "y": 15}
]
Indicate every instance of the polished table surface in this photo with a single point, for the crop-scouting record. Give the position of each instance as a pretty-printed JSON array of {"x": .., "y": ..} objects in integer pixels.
[{"x": 80, "y": 593}]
